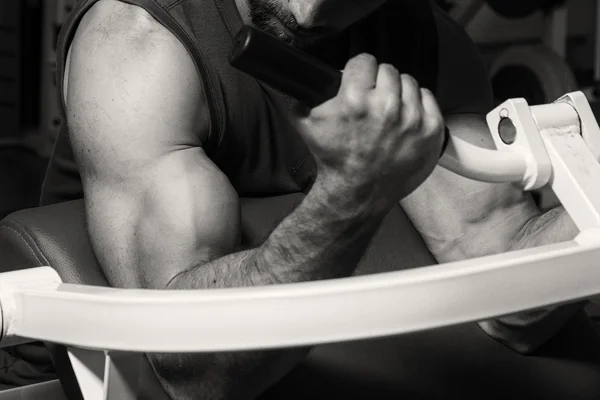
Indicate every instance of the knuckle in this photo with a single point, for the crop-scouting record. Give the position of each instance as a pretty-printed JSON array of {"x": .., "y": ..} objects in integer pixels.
[
  {"x": 435, "y": 123},
  {"x": 354, "y": 102},
  {"x": 408, "y": 80},
  {"x": 432, "y": 122},
  {"x": 389, "y": 69},
  {"x": 438, "y": 124},
  {"x": 412, "y": 118},
  {"x": 390, "y": 104},
  {"x": 304, "y": 124}
]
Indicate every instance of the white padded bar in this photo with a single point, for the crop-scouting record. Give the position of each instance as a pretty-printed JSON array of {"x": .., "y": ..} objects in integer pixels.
[
  {"x": 312, "y": 312},
  {"x": 477, "y": 163}
]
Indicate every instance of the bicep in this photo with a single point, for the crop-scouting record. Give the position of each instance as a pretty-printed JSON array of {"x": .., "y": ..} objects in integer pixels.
[
  {"x": 184, "y": 214},
  {"x": 155, "y": 204}
]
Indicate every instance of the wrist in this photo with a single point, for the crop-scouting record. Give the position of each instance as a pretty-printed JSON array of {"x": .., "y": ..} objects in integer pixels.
[{"x": 349, "y": 198}]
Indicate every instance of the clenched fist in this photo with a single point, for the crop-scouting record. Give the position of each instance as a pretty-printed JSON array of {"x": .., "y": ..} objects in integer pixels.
[{"x": 382, "y": 133}]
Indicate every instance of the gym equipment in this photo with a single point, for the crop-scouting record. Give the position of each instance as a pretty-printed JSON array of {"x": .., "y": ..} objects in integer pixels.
[
  {"x": 522, "y": 8},
  {"x": 463, "y": 12},
  {"x": 105, "y": 329},
  {"x": 551, "y": 26},
  {"x": 514, "y": 9},
  {"x": 284, "y": 67},
  {"x": 533, "y": 72},
  {"x": 536, "y": 72}
]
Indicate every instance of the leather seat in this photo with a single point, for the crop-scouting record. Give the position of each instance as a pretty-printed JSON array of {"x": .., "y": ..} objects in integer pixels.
[{"x": 458, "y": 361}]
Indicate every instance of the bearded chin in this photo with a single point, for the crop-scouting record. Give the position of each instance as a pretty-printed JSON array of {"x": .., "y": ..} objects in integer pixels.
[
  {"x": 266, "y": 15},
  {"x": 271, "y": 27}
]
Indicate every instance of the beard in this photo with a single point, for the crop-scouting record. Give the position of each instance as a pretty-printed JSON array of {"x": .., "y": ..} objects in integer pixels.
[{"x": 269, "y": 15}]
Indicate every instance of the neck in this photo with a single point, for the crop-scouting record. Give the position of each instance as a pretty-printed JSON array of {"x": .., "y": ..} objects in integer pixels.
[{"x": 242, "y": 6}]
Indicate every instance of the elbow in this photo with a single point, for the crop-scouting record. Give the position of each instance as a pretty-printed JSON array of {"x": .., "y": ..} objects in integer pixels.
[
  {"x": 526, "y": 332},
  {"x": 173, "y": 282},
  {"x": 511, "y": 338}
]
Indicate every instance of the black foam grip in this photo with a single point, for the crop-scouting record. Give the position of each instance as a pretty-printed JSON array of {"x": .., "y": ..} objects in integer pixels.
[
  {"x": 446, "y": 141},
  {"x": 284, "y": 68},
  {"x": 287, "y": 69}
]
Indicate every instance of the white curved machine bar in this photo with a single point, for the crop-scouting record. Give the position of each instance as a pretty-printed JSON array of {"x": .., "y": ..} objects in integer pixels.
[
  {"x": 308, "y": 313},
  {"x": 533, "y": 151},
  {"x": 481, "y": 164}
]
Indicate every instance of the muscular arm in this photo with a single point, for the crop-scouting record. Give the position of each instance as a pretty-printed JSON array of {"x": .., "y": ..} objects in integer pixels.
[
  {"x": 458, "y": 217},
  {"x": 161, "y": 214},
  {"x": 461, "y": 218}
]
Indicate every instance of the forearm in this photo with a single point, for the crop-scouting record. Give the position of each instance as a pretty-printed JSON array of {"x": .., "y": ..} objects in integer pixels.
[
  {"x": 461, "y": 218},
  {"x": 323, "y": 238}
]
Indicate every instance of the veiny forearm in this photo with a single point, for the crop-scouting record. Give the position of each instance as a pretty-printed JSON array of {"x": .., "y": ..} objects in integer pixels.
[{"x": 324, "y": 237}]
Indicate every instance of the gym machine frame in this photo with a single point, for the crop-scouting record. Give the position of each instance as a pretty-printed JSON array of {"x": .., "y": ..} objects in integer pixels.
[{"x": 108, "y": 329}]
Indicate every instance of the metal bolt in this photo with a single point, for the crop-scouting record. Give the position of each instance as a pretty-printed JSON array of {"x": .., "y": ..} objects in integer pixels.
[{"x": 507, "y": 130}]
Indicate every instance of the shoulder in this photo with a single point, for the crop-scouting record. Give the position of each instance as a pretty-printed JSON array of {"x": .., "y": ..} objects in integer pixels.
[
  {"x": 463, "y": 83},
  {"x": 118, "y": 17},
  {"x": 122, "y": 26},
  {"x": 123, "y": 60}
]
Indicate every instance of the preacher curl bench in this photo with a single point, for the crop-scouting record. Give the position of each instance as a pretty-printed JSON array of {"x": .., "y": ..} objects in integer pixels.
[{"x": 372, "y": 340}]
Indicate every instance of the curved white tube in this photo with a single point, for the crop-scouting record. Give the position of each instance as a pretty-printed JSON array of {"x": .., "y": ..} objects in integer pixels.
[
  {"x": 308, "y": 313},
  {"x": 482, "y": 164}
]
